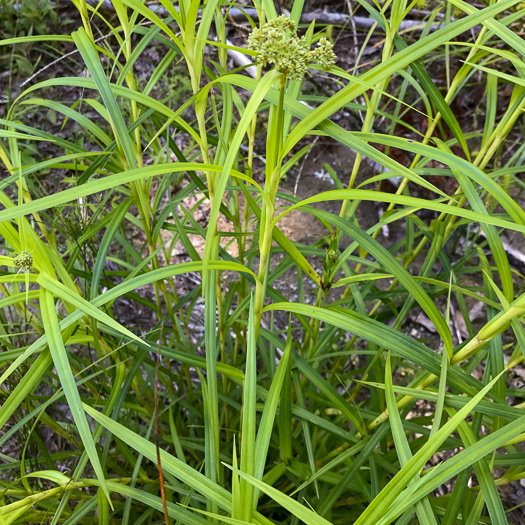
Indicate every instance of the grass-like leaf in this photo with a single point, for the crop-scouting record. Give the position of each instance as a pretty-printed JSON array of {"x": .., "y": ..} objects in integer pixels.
[{"x": 61, "y": 362}]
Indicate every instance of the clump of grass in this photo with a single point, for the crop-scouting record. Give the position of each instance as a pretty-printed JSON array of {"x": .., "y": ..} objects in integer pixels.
[{"x": 322, "y": 409}]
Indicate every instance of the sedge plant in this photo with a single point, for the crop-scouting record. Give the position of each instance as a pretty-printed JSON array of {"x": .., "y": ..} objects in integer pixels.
[{"x": 157, "y": 367}]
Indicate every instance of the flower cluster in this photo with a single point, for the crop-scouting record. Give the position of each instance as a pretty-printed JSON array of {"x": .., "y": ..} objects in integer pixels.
[
  {"x": 24, "y": 260},
  {"x": 277, "y": 43}
]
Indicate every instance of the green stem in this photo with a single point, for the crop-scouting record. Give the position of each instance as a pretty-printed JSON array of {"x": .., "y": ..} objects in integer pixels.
[{"x": 272, "y": 184}]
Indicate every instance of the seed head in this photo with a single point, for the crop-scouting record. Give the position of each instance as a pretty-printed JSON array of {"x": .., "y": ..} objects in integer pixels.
[
  {"x": 324, "y": 54},
  {"x": 277, "y": 43},
  {"x": 24, "y": 260}
]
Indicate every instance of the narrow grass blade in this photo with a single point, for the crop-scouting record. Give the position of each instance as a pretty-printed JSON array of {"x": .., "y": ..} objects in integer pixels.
[
  {"x": 59, "y": 290},
  {"x": 61, "y": 362},
  {"x": 212, "y": 435},
  {"x": 249, "y": 418},
  {"x": 303, "y": 513},
  {"x": 423, "y": 508},
  {"x": 485, "y": 477},
  {"x": 85, "y": 46},
  {"x": 331, "y": 394},
  {"x": 264, "y": 432},
  {"x": 105, "y": 183},
  {"x": 377, "y": 196}
]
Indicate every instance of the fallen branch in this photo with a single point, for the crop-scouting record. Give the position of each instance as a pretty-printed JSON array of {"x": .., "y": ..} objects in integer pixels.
[{"x": 321, "y": 17}]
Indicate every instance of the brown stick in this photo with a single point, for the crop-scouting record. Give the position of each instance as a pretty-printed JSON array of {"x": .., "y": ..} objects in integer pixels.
[{"x": 156, "y": 408}]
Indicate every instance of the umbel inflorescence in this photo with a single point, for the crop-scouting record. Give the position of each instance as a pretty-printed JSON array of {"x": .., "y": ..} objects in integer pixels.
[
  {"x": 277, "y": 43},
  {"x": 24, "y": 260}
]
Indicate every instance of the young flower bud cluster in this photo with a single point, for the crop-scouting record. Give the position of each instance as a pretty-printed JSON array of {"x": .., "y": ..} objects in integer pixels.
[
  {"x": 277, "y": 43},
  {"x": 24, "y": 260}
]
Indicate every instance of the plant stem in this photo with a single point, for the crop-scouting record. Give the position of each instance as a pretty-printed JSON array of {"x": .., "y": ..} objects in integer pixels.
[{"x": 266, "y": 225}]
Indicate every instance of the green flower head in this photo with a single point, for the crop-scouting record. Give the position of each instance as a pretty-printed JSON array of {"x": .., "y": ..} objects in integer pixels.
[
  {"x": 24, "y": 260},
  {"x": 277, "y": 43}
]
